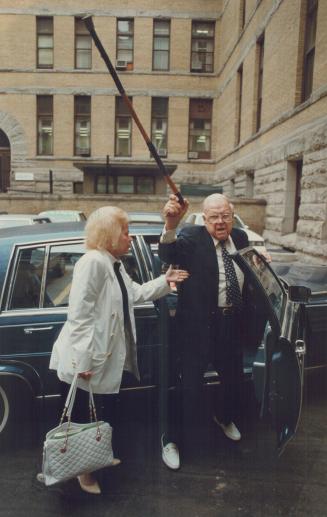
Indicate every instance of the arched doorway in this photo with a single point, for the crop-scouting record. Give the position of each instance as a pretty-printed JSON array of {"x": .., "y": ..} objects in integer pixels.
[{"x": 4, "y": 162}]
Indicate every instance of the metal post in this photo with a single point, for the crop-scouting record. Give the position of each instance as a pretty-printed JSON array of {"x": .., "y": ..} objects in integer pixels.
[
  {"x": 50, "y": 181},
  {"x": 107, "y": 175}
]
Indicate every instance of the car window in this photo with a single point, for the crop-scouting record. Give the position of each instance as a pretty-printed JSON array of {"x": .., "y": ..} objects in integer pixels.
[
  {"x": 26, "y": 289},
  {"x": 267, "y": 279},
  {"x": 62, "y": 260}
]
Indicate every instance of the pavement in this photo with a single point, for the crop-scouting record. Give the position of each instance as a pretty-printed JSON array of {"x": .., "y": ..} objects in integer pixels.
[{"x": 220, "y": 478}]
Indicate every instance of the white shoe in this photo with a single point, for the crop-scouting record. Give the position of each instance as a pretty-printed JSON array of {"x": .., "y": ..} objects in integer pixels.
[
  {"x": 230, "y": 430},
  {"x": 170, "y": 455}
]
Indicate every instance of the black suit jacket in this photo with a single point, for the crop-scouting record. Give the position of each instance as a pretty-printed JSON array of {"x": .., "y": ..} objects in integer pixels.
[{"x": 194, "y": 251}]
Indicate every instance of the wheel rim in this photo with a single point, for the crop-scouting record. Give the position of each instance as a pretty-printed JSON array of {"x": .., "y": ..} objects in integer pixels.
[{"x": 4, "y": 409}]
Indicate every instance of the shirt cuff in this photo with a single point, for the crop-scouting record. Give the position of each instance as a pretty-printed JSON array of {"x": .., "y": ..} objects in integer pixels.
[{"x": 168, "y": 236}]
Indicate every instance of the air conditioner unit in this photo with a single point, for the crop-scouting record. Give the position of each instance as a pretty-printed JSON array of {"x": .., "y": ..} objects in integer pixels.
[
  {"x": 121, "y": 64},
  {"x": 197, "y": 68},
  {"x": 162, "y": 152},
  {"x": 193, "y": 154}
]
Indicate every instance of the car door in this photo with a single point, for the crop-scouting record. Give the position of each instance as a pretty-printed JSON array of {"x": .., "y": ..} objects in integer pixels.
[
  {"x": 35, "y": 308},
  {"x": 278, "y": 367}
]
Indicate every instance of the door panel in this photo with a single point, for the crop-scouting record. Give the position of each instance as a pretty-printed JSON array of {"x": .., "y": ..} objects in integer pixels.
[{"x": 278, "y": 371}]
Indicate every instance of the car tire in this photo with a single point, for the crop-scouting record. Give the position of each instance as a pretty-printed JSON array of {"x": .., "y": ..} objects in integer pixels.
[{"x": 15, "y": 412}]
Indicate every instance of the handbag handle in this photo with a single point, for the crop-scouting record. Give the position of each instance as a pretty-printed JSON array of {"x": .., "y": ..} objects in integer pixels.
[{"x": 68, "y": 408}]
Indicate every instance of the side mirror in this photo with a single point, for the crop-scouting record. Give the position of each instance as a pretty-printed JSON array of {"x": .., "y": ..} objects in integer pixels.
[{"x": 299, "y": 293}]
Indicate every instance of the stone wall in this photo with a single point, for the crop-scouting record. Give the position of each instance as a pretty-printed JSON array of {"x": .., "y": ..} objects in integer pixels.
[{"x": 250, "y": 210}]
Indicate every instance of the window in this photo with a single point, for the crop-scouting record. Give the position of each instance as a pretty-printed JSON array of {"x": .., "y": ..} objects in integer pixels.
[
  {"x": 123, "y": 144},
  {"x": 125, "y": 43},
  {"x": 159, "y": 124},
  {"x": 44, "y": 106},
  {"x": 292, "y": 200},
  {"x": 202, "y": 46},
  {"x": 83, "y": 45},
  {"x": 124, "y": 184},
  {"x": 239, "y": 87},
  {"x": 62, "y": 260},
  {"x": 242, "y": 13},
  {"x": 161, "y": 44},
  {"x": 200, "y": 128},
  {"x": 26, "y": 289},
  {"x": 44, "y": 28},
  {"x": 82, "y": 125},
  {"x": 260, "y": 57},
  {"x": 309, "y": 48}
]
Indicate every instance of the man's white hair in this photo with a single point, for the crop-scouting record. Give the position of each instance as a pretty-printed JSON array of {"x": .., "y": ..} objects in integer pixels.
[{"x": 213, "y": 200}]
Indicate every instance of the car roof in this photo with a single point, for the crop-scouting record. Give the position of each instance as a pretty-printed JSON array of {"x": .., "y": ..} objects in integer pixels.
[
  {"x": 54, "y": 231},
  {"x": 300, "y": 273}
]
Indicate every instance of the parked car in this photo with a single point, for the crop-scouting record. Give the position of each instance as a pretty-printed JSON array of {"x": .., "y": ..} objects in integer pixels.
[
  {"x": 146, "y": 218},
  {"x": 255, "y": 240},
  {"x": 33, "y": 308},
  {"x": 10, "y": 220},
  {"x": 58, "y": 216}
]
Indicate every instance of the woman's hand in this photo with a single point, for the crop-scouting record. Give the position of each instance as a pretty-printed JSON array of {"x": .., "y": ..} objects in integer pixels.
[
  {"x": 86, "y": 375},
  {"x": 176, "y": 275}
]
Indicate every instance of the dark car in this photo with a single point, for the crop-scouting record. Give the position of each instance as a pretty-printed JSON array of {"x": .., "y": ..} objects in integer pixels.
[{"x": 33, "y": 308}]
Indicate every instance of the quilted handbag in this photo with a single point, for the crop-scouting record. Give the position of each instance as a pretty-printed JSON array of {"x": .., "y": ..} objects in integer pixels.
[{"x": 71, "y": 449}]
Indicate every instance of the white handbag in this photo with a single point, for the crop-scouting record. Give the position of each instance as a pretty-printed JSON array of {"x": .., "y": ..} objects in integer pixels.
[{"x": 71, "y": 449}]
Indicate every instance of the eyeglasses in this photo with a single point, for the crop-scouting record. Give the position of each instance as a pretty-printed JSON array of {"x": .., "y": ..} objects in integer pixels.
[{"x": 225, "y": 218}]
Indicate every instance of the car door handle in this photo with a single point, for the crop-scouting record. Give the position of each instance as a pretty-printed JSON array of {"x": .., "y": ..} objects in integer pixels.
[
  {"x": 300, "y": 348},
  {"x": 30, "y": 330}
]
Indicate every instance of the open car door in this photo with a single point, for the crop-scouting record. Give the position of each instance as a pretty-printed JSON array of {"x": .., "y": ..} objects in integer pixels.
[{"x": 278, "y": 373}]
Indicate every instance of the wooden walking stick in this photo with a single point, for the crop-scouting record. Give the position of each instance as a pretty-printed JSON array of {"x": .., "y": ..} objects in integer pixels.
[{"x": 90, "y": 27}]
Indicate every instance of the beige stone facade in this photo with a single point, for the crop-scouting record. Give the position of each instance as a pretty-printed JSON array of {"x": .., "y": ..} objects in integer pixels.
[{"x": 262, "y": 162}]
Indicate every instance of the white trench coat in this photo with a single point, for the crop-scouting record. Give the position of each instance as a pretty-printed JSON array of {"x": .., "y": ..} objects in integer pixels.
[{"x": 93, "y": 336}]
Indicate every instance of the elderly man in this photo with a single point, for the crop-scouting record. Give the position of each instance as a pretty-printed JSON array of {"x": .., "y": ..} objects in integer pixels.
[{"x": 209, "y": 315}]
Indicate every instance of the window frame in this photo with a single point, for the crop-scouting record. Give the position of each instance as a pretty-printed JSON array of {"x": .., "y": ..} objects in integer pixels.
[
  {"x": 162, "y": 118},
  {"x": 136, "y": 180},
  {"x": 79, "y": 33},
  {"x": 204, "y": 66},
  {"x": 201, "y": 155},
  {"x": 122, "y": 115},
  {"x": 40, "y": 32},
  {"x": 39, "y": 116},
  {"x": 154, "y": 51},
  {"x": 309, "y": 50},
  {"x": 129, "y": 34},
  {"x": 78, "y": 116}
]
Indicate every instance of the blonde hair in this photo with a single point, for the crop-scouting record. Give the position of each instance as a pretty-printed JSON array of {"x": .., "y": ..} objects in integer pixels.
[{"x": 104, "y": 226}]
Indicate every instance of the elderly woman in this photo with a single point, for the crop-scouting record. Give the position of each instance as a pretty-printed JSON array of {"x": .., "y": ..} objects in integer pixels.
[{"x": 98, "y": 338}]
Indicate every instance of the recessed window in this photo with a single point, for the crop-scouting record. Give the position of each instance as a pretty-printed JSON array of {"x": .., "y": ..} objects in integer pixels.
[
  {"x": 125, "y": 44},
  {"x": 44, "y": 28},
  {"x": 83, "y": 45},
  {"x": 238, "y": 117},
  {"x": 159, "y": 124},
  {"x": 259, "y": 76},
  {"x": 309, "y": 48},
  {"x": 123, "y": 184},
  {"x": 202, "y": 46},
  {"x": 44, "y": 106},
  {"x": 123, "y": 129},
  {"x": 82, "y": 125},
  {"x": 200, "y": 128},
  {"x": 161, "y": 44}
]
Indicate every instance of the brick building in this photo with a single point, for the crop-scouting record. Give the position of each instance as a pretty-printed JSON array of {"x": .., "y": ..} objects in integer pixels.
[{"x": 231, "y": 92}]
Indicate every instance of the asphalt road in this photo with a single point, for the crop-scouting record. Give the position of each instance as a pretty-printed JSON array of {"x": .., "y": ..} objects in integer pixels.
[{"x": 220, "y": 478}]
